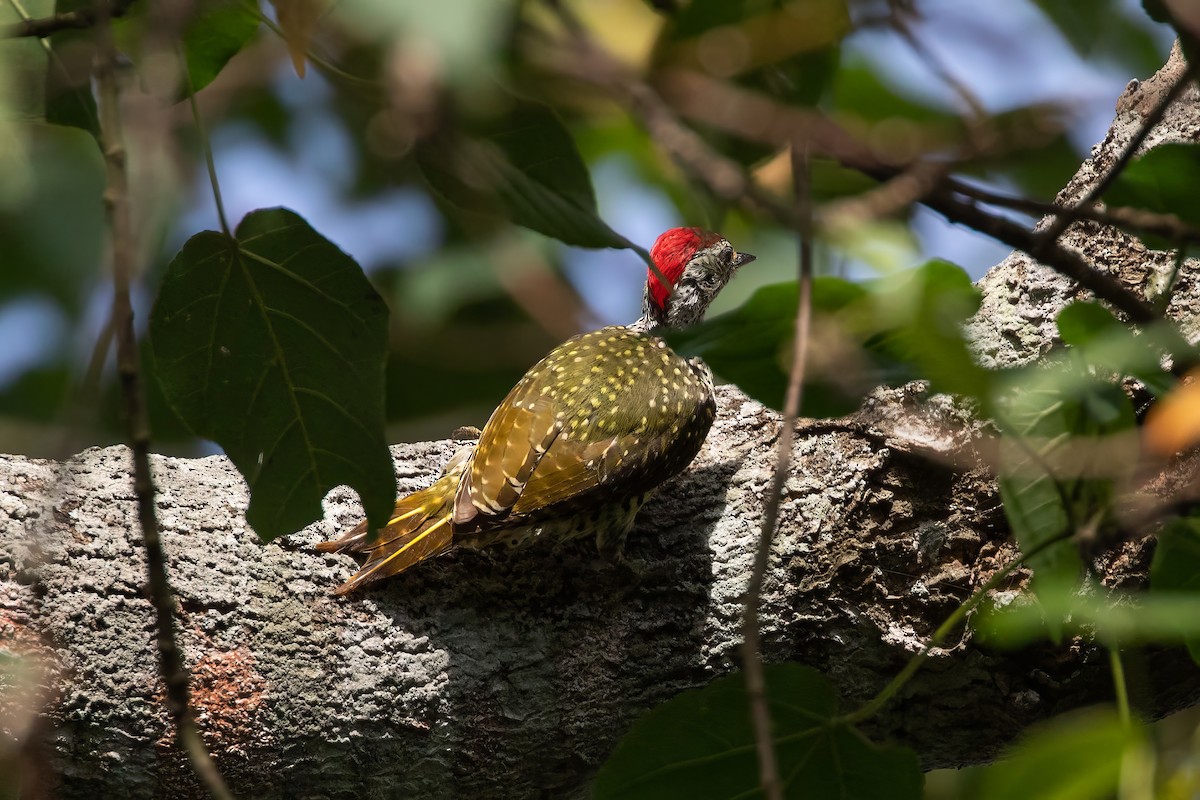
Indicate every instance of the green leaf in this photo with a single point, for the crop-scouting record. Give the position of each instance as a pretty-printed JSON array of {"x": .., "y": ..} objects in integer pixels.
[
  {"x": 1163, "y": 181},
  {"x": 1050, "y": 415},
  {"x": 1076, "y": 756},
  {"x": 700, "y": 745},
  {"x": 789, "y": 48},
  {"x": 216, "y": 33},
  {"x": 272, "y": 344},
  {"x": 525, "y": 168},
  {"x": 751, "y": 345},
  {"x": 1175, "y": 570},
  {"x": 51, "y": 214},
  {"x": 1106, "y": 30},
  {"x": 922, "y": 312},
  {"x": 1105, "y": 344},
  {"x": 1130, "y": 619}
]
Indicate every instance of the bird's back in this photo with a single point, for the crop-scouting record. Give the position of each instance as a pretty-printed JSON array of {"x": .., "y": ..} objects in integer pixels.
[{"x": 608, "y": 414}]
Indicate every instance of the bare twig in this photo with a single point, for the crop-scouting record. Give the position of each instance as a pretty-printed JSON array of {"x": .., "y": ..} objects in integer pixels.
[
  {"x": 1056, "y": 228},
  {"x": 116, "y": 200},
  {"x": 1167, "y": 226},
  {"x": 751, "y": 655},
  {"x": 1058, "y": 258},
  {"x": 41, "y": 27}
]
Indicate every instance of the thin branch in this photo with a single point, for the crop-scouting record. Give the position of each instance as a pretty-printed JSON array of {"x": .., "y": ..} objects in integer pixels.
[
  {"x": 876, "y": 704},
  {"x": 751, "y": 655},
  {"x": 116, "y": 201},
  {"x": 1167, "y": 226},
  {"x": 727, "y": 179},
  {"x": 1058, "y": 258},
  {"x": 1056, "y": 228},
  {"x": 41, "y": 27}
]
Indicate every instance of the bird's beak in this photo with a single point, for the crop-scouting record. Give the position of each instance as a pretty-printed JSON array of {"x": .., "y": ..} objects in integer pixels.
[{"x": 742, "y": 259}]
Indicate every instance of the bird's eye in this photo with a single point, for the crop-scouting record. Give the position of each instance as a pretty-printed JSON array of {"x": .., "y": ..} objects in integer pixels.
[{"x": 727, "y": 254}]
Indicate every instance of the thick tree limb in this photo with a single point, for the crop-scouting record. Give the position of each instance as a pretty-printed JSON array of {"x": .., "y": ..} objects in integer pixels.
[{"x": 513, "y": 675}]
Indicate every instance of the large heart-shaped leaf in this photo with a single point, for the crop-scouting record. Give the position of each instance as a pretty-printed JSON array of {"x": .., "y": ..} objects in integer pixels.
[{"x": 272, "y": 343}]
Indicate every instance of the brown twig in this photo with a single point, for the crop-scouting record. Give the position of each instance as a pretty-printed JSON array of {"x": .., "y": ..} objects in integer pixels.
[
  {"x": 116, "y": 201},
  {"x": 1052, "y": 233},
  {"x": 41, "y": 27},
  {"x": 1168, "y": 226},
  {"x": 1058, "y": 258},
  {"x": 751, "y": 646}
]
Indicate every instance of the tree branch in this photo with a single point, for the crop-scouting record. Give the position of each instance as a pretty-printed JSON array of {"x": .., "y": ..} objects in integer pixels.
[{"x": 116, "y": 200}]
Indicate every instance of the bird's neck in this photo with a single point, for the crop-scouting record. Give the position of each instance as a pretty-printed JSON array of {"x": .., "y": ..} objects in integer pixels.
[{"x": 687, "y": 306}]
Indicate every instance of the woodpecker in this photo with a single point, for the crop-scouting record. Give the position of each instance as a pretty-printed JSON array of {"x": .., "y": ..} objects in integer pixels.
[{"x": 581, "y": 440}]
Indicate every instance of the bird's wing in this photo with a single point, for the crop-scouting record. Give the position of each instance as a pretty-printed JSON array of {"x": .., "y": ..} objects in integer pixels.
[{"x": 513, "y": 442}]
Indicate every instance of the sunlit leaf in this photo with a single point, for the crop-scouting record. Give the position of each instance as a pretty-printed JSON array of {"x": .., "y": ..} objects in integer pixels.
[
  {"x": 922, "y": 313},
  {"x": 700, "y": 744},
  {"x": 1175, "y": 570},
  {"x": 1076, "y": 756},
  {"x": 272, "y": 344}
]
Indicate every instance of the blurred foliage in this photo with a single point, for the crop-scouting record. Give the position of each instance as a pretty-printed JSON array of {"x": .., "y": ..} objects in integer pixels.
[{"x": 275, "y": 329}]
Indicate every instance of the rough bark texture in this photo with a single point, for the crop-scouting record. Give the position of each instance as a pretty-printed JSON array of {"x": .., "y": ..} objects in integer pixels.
[{"x": 513, "y": 675}]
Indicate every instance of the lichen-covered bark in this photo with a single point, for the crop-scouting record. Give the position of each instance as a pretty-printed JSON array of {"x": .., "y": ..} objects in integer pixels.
[{"x": 512, "y": 675}]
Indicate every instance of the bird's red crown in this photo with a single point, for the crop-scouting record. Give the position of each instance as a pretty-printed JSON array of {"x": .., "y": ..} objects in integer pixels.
[{"x": 671, "y": 253}]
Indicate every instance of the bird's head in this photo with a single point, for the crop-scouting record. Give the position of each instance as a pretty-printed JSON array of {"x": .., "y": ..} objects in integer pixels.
[{"x": 697, "y": 264}]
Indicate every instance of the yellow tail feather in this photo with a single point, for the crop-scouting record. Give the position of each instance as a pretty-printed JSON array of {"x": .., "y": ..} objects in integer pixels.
[{"x": 419, "y": 529}]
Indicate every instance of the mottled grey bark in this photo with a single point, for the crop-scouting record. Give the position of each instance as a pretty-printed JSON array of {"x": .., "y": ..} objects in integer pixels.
[{"x": 513, "y": 675}]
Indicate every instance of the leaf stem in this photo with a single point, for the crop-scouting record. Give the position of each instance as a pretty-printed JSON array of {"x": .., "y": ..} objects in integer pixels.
[{"x": 205, "y": 145}]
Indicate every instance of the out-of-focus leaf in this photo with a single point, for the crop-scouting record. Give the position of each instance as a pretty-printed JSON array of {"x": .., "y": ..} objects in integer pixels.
[
  {"x": 789, "y": 47},
  {"x": 1104, "y": 343},
  {"x": 1173, "y": 423},
  {"x": 1161, "y": 618},
  {"x": 1164, "y": 181},
  {"x": 1105, "y": 29},
  {"x": 1077, "y": 756},
  {"x": 216, "y": 33},
  {"x": 1175, "y": 570},
  {"x": 888, "y": 330},
  {"x": 1038, "y": 163},
  {"x": 1068, "y": 441},
  {"x": 789, "y": 50},
  {"x": 922, "y": 313},
  {"x": 525, "y": 168},
  {"x": 751, "y": 345},
  {"x": 466, "y": 35},
  {"x": 272, "y": 344},
  {"x": 52, "y": 217},
  {"x": 701, "y": 744},
  {"x": 298, "y": 20}
]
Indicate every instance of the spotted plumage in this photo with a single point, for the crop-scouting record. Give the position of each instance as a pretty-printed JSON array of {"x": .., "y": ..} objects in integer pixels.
[{"x": 582, "y": 439}]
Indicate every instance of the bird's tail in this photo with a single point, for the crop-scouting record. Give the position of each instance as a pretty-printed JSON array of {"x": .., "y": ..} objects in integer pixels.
[{"x": 420, "y": 528}]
